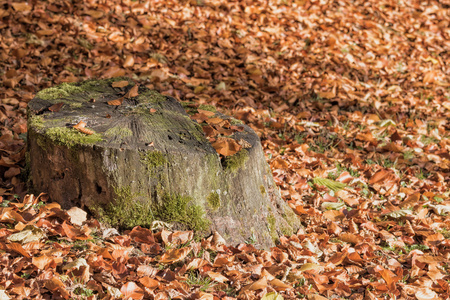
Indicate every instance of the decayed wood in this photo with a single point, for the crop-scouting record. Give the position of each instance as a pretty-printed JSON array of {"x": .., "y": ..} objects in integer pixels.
[{"x": 137, "y": 157}]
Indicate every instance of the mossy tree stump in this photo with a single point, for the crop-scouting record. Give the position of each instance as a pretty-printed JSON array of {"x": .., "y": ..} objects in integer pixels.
[{"x": 145, "y": 160}]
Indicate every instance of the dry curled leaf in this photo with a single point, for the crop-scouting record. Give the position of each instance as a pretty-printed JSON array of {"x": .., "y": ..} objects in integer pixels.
[
  {"x": 56, "y": 107},
  {"x": 81, "y": 127},
  {"x": 226, "y": 146}
]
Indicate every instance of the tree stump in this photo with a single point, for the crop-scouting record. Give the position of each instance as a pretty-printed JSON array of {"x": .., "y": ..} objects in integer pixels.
[{"x": 141, "y": 158}]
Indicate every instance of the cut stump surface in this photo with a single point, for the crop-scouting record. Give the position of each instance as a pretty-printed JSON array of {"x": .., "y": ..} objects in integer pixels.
[{"x": 141, "y": 158}]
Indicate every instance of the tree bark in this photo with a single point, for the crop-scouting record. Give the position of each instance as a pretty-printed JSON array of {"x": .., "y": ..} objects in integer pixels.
[{"x": 145, "y": 160}]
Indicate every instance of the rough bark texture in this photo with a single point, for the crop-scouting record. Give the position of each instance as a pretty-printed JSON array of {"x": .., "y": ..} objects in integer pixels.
[{"x": 146, "y": 161}]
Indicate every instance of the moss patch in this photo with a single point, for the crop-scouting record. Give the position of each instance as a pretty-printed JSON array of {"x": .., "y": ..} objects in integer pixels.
[
  {"x": 63, "y": 90},
  {"x": 213, "y": 200},
  {"x": 234, "y": 121},
  {"x": 271, "y": 225},
  {"x": 70, "y": 137},
  {"x": 207, "y": 107},
  {"x": 36, "y": 122},
  {"x": 197, "y": 133},
  {"x": 119, "y": 132},
  {"x": 235, "y": 162},
  {"x": 153, "y": 159},
  {"x": 150, "y": 96},
  {"x": 126, "y": 211},
  {"x": 262, "y": 189},
  {"x": 180, "y": 209}
]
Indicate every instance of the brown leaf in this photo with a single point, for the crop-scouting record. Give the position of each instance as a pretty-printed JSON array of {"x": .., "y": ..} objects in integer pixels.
[
  {"x": 149, "y": 282},
  {"x": 133, "y": 92},
  {"x": 257, "y": 285},
  {"x": 120, "y": 84},
  {"x": 279, "y": 285},
  {"x": 206, "y": 113},
  {"x": 226, "y": 146},
  {"x": 16, "y": 247},
  {"x": 41, "y": 262},
  {"x": 174, "y": 255},
  {"x": 116, "y": 102},
  {"x": 131, "y": 290},
  {"x": 350, "y": 238},
  {"x": 129, "y": 61},
  {"x": 217, "y": 277},
  {"x": 56, "y": 107},
  {"x": 22, "y": 6},
  {"x": 81, "y": 128}
]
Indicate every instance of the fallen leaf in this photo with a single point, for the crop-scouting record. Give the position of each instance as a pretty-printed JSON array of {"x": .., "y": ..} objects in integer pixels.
[
  {"x": 174, "y": 255},
  {"x": 131, "y": 290},
  {"x": 120, "y": 84},
  {"x": 56, "y": 107},
  {"x": 226, "y": 146}
]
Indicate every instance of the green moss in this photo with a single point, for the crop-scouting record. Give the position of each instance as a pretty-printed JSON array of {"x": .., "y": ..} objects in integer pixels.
[
  {"x": 119, "y": 132},
  {"x": 271, "y": 225},
  {"x": 153, "y": 159},
  {"x": 290, "y": 217},
  {"x": 70, "y": 137},
  {"x": 286, "y": 230},
  {"x": 63, "y": 90},
  {"x": 213, "y": 166},
  {"x": 41, "y": 142},
  {"x": 234, "y": 121},
  {"x": 235, "y": 162},
  {"x": 126, "y": 211},
  {"x": 57, "y": 121},
  {"x": 36, "y": 122},
  {"x": 197, "y": 133},
  {"x": 180, "y": 209},
  {"x": 151, "y": 96},
  {"x": 207, "y": 107},
  {"x": 76, "y": 104},
  {"x": 213, "y": 200},
  {"x": 262, "y": 189}
]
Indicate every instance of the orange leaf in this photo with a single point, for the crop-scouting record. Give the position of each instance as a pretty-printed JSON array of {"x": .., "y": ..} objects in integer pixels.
[
  {"x": 350, "y": 238},
  {"x": 129, "y": 61},
  {"x": 174, "y": 255},
  {"x": 279, "y": 163},
  {"x": 345, "y": 177},
  {"x": 23, "y": 6},
  {"x": 16, "y": 247},
  {"x": 279, "y": 285},
  {"x": 217, "y": 277},
  {"x": 257, "y": 285},
  {"x": 132, "y": 290},
  {"x": 388, "y": 276},
  {"x": 133, "y": 92},
  {"x": 378, "y": 176},
  {"x": 206, "y": 112},
  {"x": 214, "y": 121},
  {"x": 226, "y": 146},
  {"x": 56, "y": 107},
  {"x": 149, "y": 282},
  {"x": 41, "y": 262},
  {"x": 120, "y": 84},
  {"x": 80, "y": 124},
  {"x": 114, "y": 72},
  {"x": 81, "y": 128},
  {"x": 429, "y": 77},
  {"x": 116, "y": 102}
]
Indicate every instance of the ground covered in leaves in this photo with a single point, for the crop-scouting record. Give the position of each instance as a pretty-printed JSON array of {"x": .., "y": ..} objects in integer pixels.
[{"x": 351, "y": 100}]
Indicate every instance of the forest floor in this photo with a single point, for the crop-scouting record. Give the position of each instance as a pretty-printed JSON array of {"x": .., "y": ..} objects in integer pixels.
[{"x": 351, "y": 100}]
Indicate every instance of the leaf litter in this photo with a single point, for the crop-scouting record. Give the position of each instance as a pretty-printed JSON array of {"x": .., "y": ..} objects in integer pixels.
[{"x": 353, "y": 92}]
